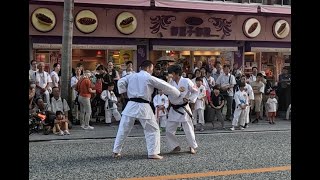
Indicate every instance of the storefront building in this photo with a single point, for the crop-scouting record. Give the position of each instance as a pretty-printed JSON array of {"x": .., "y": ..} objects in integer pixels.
[{"x": 249, "y": 35}]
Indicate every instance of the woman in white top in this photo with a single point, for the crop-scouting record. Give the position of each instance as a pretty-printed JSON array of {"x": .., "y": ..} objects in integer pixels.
[
  {"x": 54, "y": 75},
  {"x": 73, "y": 83}
]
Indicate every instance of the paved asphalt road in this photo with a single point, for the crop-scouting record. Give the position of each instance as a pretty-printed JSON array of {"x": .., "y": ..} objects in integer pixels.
[{"x": 226, "y": 152}]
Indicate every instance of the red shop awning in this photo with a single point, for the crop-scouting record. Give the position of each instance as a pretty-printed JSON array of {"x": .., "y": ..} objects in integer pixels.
[
  {"x": 276, "y": 9},
  {"x": 110, "y": 2},
  {"x": 205, "y": 5}
]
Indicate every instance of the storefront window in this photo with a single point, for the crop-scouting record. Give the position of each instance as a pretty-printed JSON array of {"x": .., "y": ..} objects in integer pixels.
[
  {"x": 49, "y": 57},
  {"x": 186, "y": 58}
]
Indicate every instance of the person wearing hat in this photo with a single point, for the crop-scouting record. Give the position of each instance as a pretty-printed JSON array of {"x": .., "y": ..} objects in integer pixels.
[{"x": 272, "y": 104}]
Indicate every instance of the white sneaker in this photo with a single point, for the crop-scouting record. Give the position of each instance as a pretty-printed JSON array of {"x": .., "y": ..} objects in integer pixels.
[
  {"x": 82, "y": 126},
  {"x": 241, "y": 128},
  {"x": 60, "y": 133},
  {"x": 232, "y": 129},
  {"x": 66, "y": 132},
  {"x": 88, "y": 127}
]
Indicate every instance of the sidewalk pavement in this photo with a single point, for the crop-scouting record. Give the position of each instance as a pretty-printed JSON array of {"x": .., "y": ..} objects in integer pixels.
[{"x": 101, "y": 131}]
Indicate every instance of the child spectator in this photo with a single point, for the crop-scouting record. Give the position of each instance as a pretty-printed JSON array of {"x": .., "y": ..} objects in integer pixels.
[
  {"x": 242, "y": 101},
  {"x": 110, "y": 107},
  {"x": 217, "y": 103},
  {"x": 272, "y": 104},
  {"x": 61, "y": 124},
  {"x": 199, "y": 105},
  {"x": 161, "y": 103}
]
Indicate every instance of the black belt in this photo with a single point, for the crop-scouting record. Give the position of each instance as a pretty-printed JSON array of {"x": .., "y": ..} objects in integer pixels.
[
  {"x": 176, "y": 107},
  {"x": 139, "y": 100}
]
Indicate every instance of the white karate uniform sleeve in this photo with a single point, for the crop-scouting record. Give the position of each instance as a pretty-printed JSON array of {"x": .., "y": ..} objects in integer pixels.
[
  {"x": 113, "y": 97},
  {"x": 202, "y": 93},
  {"x": 103, "y": 95},
  {"x": 155, "y": 100},
  {"x": 237, "y": 98},
  {"x": 164, "y": 86},
  {"x": 193, "y": 91},
  {"x": 122, "y": 85},
  {"x": 166, "y": 101}
]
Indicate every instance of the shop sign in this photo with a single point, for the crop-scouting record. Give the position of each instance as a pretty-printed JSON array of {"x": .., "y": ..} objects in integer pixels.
[
  {"x": 126, "y": 23},
  {"x": 193, "y": 26},
  {"x": 281, "y": 29},
  {"x": 267, "y": 49},
  {"x": 251, "y": 27},
  {"x": 43, "y": 19},
  {"x": 84, "y": 46},
  {"x": 86, "y": 21}
]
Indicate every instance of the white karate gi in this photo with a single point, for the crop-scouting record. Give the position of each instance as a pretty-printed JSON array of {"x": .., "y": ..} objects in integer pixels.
[
  {"x": 107, "y": 95},
  {"x": 174, "y": 118},
  {"x": 240, "y": 97},
  {"x": 161, "y": 100},
  {"x": 250, "y": 93},
  {"x": 141, "y": 85},
  {"x": 199, "y": 106}
]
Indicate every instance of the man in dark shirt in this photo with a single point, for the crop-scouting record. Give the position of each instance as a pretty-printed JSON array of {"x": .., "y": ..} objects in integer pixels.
[{"x": 217, "y": 102}]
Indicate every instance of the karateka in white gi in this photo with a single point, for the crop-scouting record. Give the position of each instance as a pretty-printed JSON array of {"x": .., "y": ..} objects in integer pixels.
[
  {"x": 139, "y": 88},
  {"x": 248, "y": 89},
  {"x": 242, "y": 102},
  {"x": 110, "y": 107},
  {"x": 180, "y": 111},
  {"x": 161, "y": 103}
]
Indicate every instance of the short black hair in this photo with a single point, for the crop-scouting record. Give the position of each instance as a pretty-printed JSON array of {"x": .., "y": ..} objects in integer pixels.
[
  {"x": 79, "y": 64},
  {"x": 59, "y": 113},
  {"x": 176, "y": 68},
  {"x": 128, "y": 62},
  {"x": 55, "y": 87},
  {"x": 55, "y": 65},
  {"x": 38, "y": 100},
  {"x": 242, "y": 84},
  {"x": 100, "y": 67},
  {"x": 254, "y": 67},
  {"x": 32, "y": 61},
  {"x": 226, "y": 65},
  {"x": 110, "y": 84},
  {"x": 199, "y": 79},
  {"x": 216, "y": 87},
  {"x": 145, "y": 64},
  {"x": 189, "y": 73},
  {"x": 158, "y": 67},
  {"x": 260, "y": 75},
  {"x": 196, "y": 71}
]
